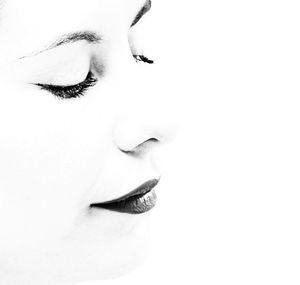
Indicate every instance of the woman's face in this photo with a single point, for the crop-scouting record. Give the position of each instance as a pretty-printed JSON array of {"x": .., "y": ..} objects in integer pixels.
[{"x": 79, "y": 119}]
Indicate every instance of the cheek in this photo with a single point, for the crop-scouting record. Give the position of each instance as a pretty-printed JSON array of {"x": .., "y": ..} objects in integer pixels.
[{"x": 51, "y": 154}]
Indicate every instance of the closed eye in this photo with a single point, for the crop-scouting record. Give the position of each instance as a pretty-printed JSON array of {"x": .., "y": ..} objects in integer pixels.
[{"x": 71, "y": 91}]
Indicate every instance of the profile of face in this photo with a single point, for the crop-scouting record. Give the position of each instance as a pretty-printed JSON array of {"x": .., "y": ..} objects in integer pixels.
[{"x": 80, "y": 123}]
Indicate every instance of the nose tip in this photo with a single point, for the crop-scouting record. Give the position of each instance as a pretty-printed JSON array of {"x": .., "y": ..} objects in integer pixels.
[
  {"x": 141, "y": 148},
  {"x": 139, "y": 138}
]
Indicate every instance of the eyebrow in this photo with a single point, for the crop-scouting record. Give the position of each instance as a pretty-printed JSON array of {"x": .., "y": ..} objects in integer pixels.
[
  {"x": 92, "y": 37},
  {"x": 146, "y": 7},
  {"x": 89, "y": 36}
]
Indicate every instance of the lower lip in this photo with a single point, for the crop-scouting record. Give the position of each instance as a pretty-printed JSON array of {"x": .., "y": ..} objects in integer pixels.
[{"x": 133, "y": 205}]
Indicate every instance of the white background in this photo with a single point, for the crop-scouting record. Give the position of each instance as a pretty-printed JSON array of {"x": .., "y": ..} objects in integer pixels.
[{"x": 228, "y": 209}]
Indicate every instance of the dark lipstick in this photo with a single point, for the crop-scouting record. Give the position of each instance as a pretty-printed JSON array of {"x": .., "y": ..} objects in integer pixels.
[{"x": 138, "y": 201}]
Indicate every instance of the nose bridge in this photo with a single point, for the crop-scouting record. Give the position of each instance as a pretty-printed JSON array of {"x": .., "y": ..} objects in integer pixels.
[{"x": 146, "y": 115}]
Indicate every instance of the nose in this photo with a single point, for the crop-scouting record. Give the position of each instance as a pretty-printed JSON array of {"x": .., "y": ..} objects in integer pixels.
[
  {"x": 147, "y": 119},
  {"x": 139, "y": 136}
]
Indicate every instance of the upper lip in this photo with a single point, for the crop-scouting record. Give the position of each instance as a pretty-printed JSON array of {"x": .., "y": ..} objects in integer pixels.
[{"x": 140, "y": 190}]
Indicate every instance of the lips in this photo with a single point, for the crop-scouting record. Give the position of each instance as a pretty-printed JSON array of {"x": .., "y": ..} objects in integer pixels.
[{"x": 138, "y": 201}]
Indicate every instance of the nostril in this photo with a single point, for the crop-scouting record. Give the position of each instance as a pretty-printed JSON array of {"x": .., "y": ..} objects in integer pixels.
[
  {"x": 141, "y": 148},
  {"x": 151, "y": 140}
]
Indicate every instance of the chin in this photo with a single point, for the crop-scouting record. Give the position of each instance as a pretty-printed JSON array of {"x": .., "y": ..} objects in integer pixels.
[
  {"x": 95, "y": 250},
  {"x": 91, "y": 269},
  {"x": 109, "y": 247},
  {"x": 121, "y": 254}
]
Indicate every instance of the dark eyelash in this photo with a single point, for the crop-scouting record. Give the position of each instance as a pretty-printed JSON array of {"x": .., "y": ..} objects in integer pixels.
[
  {"x": 140, "y": 57},
  {"x": 72, "y": 91}
]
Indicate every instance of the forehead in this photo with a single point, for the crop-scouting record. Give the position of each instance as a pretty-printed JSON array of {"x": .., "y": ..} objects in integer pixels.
[{"x": 29, "y": 24}]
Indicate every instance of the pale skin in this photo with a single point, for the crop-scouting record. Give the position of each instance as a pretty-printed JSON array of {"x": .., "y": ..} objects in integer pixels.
[{"x": 59, "y": 156}]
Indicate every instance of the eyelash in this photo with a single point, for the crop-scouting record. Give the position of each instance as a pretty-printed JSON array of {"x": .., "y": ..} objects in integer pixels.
[
  {"x": 140, "y": 57},
  {"x": 72, "y": 91},
  {"x": 78, "y": 90}
]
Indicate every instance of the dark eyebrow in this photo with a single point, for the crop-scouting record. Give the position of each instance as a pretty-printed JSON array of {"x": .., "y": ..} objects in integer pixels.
[
  {"x": 88, "y": 36},
  {"x": 146, "y": 7}
]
